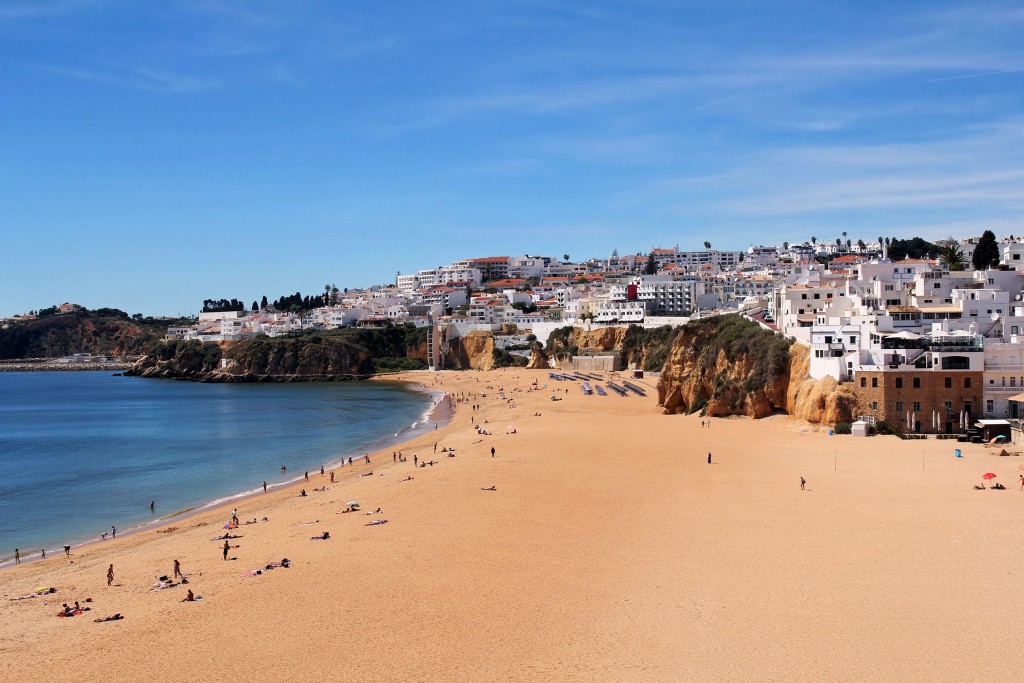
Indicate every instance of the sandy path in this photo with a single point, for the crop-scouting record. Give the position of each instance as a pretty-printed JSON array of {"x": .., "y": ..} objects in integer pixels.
[{"x": 610, "y": 550}]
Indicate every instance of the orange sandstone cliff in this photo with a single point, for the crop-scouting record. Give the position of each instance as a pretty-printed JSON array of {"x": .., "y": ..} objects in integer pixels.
[{"x": 744, "y": 370}]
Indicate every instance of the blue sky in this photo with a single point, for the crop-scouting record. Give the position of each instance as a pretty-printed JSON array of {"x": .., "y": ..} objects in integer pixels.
[{"x": 153, "y": 154}]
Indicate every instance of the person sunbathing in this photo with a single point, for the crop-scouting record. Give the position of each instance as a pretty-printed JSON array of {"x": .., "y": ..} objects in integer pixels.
[
  {"x": 490, "y": 488},
  {"x": 376, "y": 522},
  {"x": 1000, "y": 487},
  {"x": 979, "y": 488},
  {"x": 113, "y": 617},
  {"x": 325, "y": 536},
  {"x": 190, "y": 597},
  {"x": 406, "y": 479}
]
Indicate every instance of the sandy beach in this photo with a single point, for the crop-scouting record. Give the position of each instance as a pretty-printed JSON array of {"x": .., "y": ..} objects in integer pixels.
[{"x": 610, "y": 550}]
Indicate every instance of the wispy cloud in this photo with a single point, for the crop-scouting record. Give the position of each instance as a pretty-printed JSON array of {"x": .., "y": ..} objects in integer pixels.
[
  {"x": 41, "y": 10},
  {"x": 987, "y": 73},
  {"x": 140, "y": 78}
]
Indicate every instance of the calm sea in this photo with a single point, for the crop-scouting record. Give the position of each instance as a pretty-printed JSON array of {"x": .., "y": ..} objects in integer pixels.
[{"x": 82, "y": 451}]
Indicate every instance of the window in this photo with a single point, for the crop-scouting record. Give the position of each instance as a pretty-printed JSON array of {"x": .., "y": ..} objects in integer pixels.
[
  {"x": 817, "y": 296},
  {"x": 863, "y": 381},
  {"x": 1013, "y": 381},
  {"x": 803, "y": 296},
  {"x": 948, "y": 405},
  {"x": 874, "y": 405},
  {"x": 899, "y": 382},
  {"x": 874, "y": 382},
  {"x": 990, "y": 406},
  {"x": 967, "y": 382},
  {"x": 899, "y": 406},
  {"x": 917, "y": 406},
  {"x": 917, "y": 382},
  {"x": 853, "y": 340},
  {"x": 948, "y": 382}
]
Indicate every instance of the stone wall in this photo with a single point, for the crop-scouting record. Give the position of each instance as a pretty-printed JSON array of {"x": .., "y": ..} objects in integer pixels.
[{"x": 879, "y": 396}]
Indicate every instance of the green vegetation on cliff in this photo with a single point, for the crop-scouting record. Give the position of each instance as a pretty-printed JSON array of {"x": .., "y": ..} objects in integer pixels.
[
  {"x": 105, "y": 331},
  {"x": 736, "y": 336},
  {"x": 336, "y": 353}
]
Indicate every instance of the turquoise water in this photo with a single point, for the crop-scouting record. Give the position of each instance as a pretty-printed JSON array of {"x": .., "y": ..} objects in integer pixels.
[{"x": 82, "y": 451}]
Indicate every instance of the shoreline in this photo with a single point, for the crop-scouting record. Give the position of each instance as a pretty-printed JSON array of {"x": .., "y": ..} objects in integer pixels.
[
  {"x": 49, "y": 366},
  {"x": 597, "y": 543},
  {"x": 436, "y": 413}
]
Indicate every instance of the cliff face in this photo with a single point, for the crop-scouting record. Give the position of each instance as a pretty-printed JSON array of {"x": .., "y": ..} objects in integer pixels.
[
  {"x": 189, "y": 360},
  {"x": 726, "y": 367},
  {"x": 474, "y": 351},
  {"x": 59, "y": 335},
  {"x": 648, "y": 348}
]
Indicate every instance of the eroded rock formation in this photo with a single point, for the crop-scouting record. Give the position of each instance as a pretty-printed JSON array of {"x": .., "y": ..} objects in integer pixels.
[{"x": 744, "y": 370}]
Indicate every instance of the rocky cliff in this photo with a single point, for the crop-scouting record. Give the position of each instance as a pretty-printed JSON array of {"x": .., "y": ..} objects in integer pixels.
[
  {"x": 646, "y": 347},
  {"x": 474, "y": 351},
  {"x": 730, "y": 366},
  {"x": 53, "y": 336},
  {"x": 335, "y": 355}
]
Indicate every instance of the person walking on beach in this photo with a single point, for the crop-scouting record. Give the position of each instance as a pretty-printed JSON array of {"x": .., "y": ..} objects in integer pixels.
[
  {"x": 152, "y": 506},
  {"x": 332, "y": 477},
  {"x": 177, "y": 570},
  {"x": 67, "y": 550},
  {"x": 321, "y": 470},
  {"x": 415, "y": 460},
  {"x": 492, "y": 451},
  {"x": 1022, "y": 482},
  {"x": 113, "y": 532},
  {"x": 227, "y": 547},
  {"x": 264, "y": 486},
  {"x": 306, "y": 475},
  {"x": 709, "y": 457},
  {"x": 17, "y": 556},
  {"x": 234, "y": 516},
  {"x": 43, "y": 553},
  {"x": 110, "y": 575},
  {"x": 803, "y": 484}
]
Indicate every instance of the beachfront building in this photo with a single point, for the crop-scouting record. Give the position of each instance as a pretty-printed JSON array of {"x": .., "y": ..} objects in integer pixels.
[{"x": 923, "y": 384}]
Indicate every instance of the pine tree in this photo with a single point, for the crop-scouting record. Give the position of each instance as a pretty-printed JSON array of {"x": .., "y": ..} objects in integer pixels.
[
  {"x": 651, "y": 267},
  {"x": 986, "y": 254}
]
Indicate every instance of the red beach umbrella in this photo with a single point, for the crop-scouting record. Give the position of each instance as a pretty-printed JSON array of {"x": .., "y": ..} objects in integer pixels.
[{"x": 988, "y": 475}]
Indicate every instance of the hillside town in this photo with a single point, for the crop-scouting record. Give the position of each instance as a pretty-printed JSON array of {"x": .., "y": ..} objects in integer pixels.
[{"x": 928, "y": 343}]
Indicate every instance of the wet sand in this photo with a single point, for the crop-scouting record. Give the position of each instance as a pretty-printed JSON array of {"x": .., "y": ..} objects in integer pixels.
[{"x": 610, "y": 550}]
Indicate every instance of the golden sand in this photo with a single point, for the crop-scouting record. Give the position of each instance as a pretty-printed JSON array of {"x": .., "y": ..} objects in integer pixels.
[{"x": 609, "y": 551}]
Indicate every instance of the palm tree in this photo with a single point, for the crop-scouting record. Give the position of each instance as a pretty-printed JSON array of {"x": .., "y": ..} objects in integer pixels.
[
  {"x": 785, "y": 246},
  {"x": 848, "y": 243},
  {"x": 861, "y": 245},
  {"x": 814, "y": 241},
  {"x": 565, "y": 257},
  {"x": 707, "y": 245},
  {"x": 952, "y": 257}
]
